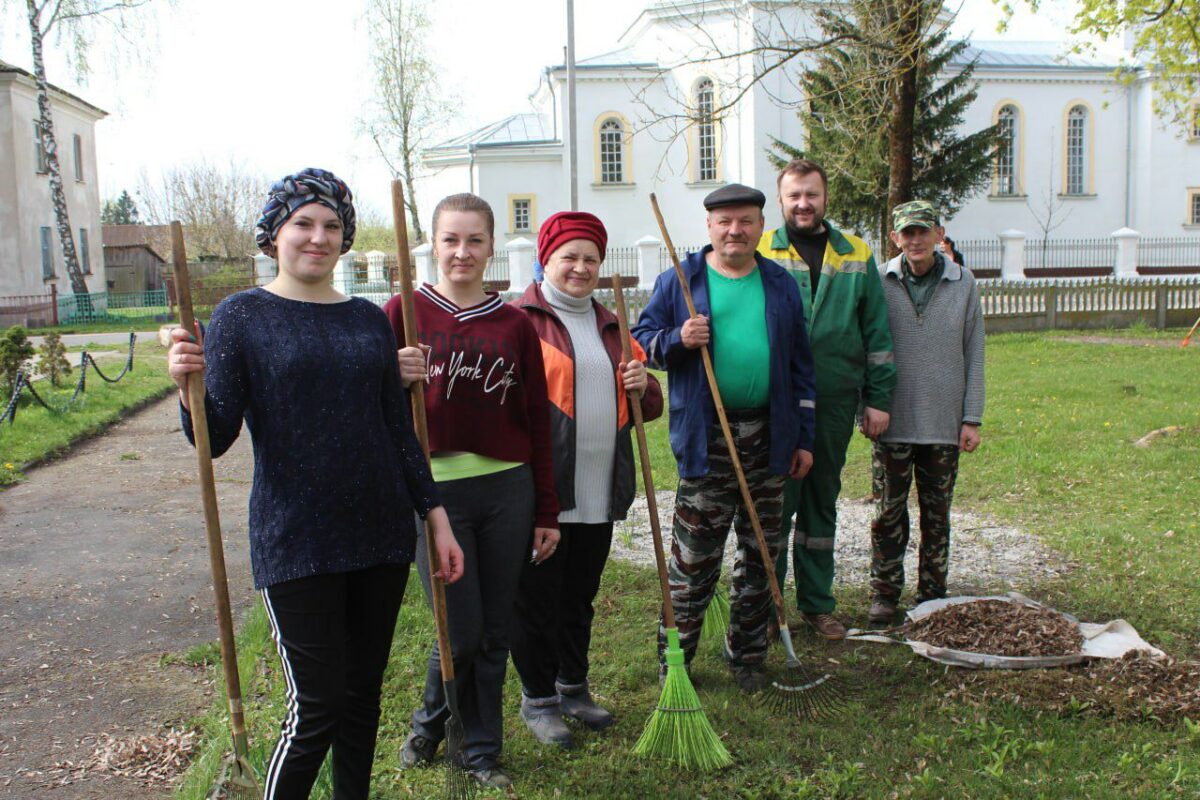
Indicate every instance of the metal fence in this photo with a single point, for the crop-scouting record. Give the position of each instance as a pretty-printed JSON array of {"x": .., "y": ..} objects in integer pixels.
[
  {"x": 980, "y": 254},
  {"x": 621, "y": 261},
  {"x": 1169, "y": 253},
  {"x": 1069, "y": 254}
]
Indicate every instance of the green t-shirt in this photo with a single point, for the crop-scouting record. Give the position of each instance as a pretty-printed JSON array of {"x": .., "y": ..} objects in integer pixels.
[
  {"x": 741, "y": 351},
  {"x": 920, "y": 288}
]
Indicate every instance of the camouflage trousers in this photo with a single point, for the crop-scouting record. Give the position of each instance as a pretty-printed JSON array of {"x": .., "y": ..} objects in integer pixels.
[
  {"x": 704, "y": 509},
  {"x": 892, "y": 469}
]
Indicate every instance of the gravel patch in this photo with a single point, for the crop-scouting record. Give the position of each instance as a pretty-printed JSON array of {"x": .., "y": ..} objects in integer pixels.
[{"x": 983, "y": 553}]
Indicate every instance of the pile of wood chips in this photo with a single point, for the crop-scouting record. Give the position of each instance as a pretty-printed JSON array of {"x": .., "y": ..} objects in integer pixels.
[{"x": 997, "y": 627}]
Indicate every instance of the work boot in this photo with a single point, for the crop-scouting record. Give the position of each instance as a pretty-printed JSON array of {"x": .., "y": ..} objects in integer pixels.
[
  {"x": 491, "y": 777},
  {"x": 543, "y": 717},
  {"x": 827, "y": 626},
  {"x": 576, "y": 702},
  {"x": 417, "y": 750},
  {"x": 882, "y": 612},
  {"x": 750, "y": 678}
]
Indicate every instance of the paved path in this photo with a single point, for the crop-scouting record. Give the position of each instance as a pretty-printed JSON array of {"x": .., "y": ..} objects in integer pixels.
[
  {"x": 103, "y": 571},
  {"x": 77, "y": 339}
]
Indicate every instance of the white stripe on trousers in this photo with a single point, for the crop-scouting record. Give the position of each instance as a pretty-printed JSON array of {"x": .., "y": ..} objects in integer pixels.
[{"x": 293, "y": 716}]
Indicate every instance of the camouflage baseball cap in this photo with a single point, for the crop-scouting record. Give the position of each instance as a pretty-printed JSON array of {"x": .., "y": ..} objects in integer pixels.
[{"x": 918, "y": 212}]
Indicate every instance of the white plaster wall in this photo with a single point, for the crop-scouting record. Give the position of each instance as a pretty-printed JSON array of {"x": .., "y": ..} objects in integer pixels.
[
  {"x": 1172, "y": 166},
  {"x": 10, "y": 231},
  {"x": 1044, "y": 103},
  {"x": 23, "y": 274}
]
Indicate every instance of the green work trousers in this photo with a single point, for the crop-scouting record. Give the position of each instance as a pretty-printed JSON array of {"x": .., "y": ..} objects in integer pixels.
[{"x": 813, "y": 502}]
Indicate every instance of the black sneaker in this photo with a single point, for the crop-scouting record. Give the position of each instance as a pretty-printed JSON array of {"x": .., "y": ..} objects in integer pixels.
[
  {"x": 750, "y": 678},
  {"x": 491, "y": 778},
  {"x": 417, "y": 750}
]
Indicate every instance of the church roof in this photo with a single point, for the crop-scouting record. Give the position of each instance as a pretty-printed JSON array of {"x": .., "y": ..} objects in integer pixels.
[
  {"x": 518, "y": 129},
  {"x": 623, "y": 57},
  {"x": 1032, "y": 55}
]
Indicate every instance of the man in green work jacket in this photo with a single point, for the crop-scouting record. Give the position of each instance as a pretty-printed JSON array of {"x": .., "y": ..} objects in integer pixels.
[{"x": 851, "y": 344}]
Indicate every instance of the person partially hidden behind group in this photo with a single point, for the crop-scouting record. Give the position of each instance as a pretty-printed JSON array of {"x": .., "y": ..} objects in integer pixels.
[
  {"x": 489, "y": 433},
  {"x": 337, "y": 476},
  {"x": 589, "y": 383}
]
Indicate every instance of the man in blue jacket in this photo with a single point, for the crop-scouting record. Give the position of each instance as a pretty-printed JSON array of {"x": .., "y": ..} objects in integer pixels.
[{"x": 751, "y": 318}]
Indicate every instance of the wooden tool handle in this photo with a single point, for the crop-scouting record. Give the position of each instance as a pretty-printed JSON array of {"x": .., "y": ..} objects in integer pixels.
[
  {"x": 768, "y": 565},
  {"x": 635, "y": 407},
  {"x": 437, "y": 589},
  {"x": 208, "y": 493}
]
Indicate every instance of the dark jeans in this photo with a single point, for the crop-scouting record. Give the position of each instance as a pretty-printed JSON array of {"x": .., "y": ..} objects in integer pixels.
[
  {"x": 492, "y": 518},
  {"x": 333, "y": 633},
  {"x": 552, "y": 624}
]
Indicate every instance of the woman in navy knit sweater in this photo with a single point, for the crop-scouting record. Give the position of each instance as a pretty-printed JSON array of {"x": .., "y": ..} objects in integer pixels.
[
  {"x": 489, "y": 432},
  {"x": 338, "y": 474}
]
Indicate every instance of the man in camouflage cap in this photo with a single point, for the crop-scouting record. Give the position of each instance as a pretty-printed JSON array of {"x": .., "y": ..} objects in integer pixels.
[{"x": 937, "y": 407}]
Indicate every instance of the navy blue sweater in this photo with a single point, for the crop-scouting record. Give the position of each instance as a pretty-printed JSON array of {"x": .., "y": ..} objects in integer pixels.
[{"x": 338, "y": 470}]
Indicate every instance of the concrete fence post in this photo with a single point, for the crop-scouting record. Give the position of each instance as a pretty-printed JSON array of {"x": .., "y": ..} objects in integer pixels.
[
  {"x": 520, "y": 264},
  {"x": 377, "y": 271},
  {"x": 1127, "y": 253},
  {"x": 265, "y": 269},
  {"x": 343, "y": 273},
  {"x": 647, "y": 261},
  {"x": 423, "y": 264},
  {"x": 1012, "y": 255}
]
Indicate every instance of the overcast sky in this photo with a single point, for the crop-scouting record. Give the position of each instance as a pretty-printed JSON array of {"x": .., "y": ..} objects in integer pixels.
[{"x": 278, "y": 85}]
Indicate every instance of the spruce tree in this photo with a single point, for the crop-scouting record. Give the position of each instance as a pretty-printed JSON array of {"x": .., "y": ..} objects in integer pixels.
[
  {"x": 122, "y": 211},
  {"x": 847, "y": 124}
]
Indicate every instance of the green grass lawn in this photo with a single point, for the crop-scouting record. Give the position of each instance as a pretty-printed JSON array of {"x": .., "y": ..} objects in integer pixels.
[
  {"x": 1057, "y": 460},
  {"x": 36, "y": 433}
]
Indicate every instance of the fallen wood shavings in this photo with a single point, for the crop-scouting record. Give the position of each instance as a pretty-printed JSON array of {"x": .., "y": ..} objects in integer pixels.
[
  {"x": 1158, "y": 433},
  {"x": 996, "y": 627}
]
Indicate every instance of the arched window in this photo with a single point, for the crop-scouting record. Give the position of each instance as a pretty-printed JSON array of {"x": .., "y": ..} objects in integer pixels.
[
  {"x": 1006, "y": 151},
  {"x": 612, "y": 151},
  {"x": 1077, "y": 150},
  {"x": 706, "y": 131}
]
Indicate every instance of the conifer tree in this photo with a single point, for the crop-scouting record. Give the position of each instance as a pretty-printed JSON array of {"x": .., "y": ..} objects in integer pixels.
[{"x": 848, "y": 116}]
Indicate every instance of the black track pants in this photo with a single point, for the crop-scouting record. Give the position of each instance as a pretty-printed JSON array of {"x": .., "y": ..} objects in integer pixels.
[{"x": 333, "y": 633}]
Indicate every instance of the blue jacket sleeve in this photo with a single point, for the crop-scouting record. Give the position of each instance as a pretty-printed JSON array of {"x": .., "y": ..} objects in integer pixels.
[
  {"x": 657, "y": 329},
  {"x": 804, "y": 383},
  {"x": 226, "y": 382}
]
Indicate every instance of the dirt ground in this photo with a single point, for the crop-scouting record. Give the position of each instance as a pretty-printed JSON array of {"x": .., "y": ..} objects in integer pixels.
[{"x": 103, "y": 572}]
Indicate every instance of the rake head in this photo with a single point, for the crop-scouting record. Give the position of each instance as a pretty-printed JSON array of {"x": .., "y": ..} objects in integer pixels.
[
  {"x": 459, "y": 783},
  {"x": 237, "y": 782},
  {"x": 802, "y": 693}
]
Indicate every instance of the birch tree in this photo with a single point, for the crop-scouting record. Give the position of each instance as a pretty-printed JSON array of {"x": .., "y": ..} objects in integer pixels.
[
  {"x": 71, "y": 23},
  {"x": 408, "y": 104}
]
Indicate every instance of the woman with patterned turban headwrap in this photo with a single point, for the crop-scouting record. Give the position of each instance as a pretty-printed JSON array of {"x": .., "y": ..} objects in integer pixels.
[{"x": 338, "y": 474}]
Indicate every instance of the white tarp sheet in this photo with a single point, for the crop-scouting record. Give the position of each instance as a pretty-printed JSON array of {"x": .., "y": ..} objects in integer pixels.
[{"x": 1107, "y": 640}]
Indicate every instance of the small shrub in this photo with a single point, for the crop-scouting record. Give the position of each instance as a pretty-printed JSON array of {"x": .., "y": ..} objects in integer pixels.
[
  {"x": 54, "y": 364},
  {"x": 15, "y": 352}
]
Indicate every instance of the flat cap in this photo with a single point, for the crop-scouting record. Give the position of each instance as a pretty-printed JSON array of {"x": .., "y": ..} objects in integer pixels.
[
  {"x": 735, "y": 194},
  {"x": 920, "y": 213}
]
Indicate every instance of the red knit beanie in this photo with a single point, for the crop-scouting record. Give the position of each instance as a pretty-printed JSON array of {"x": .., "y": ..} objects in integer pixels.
[{"x": 560, "y": 228}]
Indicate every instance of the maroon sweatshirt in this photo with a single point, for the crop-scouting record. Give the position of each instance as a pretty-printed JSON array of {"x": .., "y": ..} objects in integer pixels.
[{"x": 487, "y": 385}]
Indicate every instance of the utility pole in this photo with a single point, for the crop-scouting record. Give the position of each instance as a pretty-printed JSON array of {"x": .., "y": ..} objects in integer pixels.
[{"x": 572, "y": 154}]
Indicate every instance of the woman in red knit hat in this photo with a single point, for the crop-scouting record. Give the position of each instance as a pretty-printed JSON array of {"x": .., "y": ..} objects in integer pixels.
[
  {"x": 588, "y": 380},
  {"x": 490, "y": 440}
]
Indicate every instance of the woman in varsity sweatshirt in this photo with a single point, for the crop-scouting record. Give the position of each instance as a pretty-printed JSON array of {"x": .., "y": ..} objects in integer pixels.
[
  {"x": 337, "y": 476},
  {"x": 588, "y": 379},
  {"x": 489, "y": 434}
]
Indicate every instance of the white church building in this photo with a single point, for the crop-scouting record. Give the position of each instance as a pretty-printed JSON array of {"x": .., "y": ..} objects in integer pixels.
[{"x": 1083, "y": 147}]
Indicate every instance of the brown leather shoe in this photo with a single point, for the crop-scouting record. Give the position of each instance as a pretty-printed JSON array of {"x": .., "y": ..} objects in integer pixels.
[
  {"x": 882, "y": 612},
  {"x": 827, "y": 626}
]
